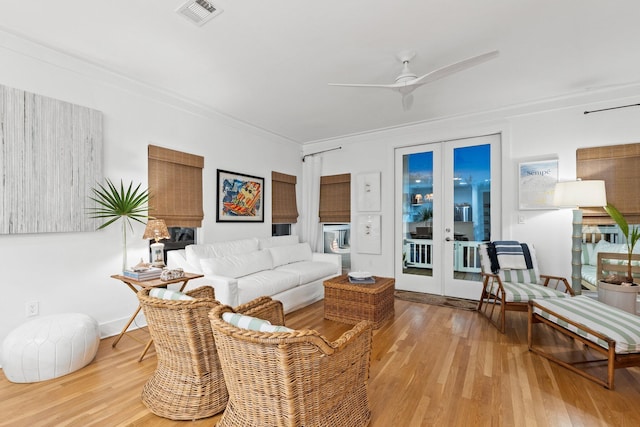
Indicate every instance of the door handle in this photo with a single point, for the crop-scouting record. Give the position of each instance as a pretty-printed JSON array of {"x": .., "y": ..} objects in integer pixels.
[{"x": 447, "y": 239}]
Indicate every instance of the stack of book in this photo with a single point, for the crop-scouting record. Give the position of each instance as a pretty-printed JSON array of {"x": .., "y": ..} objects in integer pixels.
[
  {"x": 361, "y": 277},
  {"x": 142, "y": 275}
]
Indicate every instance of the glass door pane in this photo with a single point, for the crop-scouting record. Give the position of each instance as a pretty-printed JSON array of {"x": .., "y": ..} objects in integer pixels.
[
  {"x": 418, "y": 264},
  {"x": 468, "y": 195}
]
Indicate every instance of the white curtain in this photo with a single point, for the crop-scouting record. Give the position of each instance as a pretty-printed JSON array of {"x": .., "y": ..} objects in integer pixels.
[{"x": 311, "y": 171}]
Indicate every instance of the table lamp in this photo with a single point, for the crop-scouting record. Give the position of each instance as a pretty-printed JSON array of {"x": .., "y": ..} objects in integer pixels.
[
  {"x": 579, "y": 194},
  {"x": 157, "y": 229}
]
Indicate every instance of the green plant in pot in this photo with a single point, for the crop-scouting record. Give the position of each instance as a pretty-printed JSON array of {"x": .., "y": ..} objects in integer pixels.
[
  {"x": 115, "y": 203},
  {"x": 631, "y": 234},
  {"x": 424, "y": 214}
]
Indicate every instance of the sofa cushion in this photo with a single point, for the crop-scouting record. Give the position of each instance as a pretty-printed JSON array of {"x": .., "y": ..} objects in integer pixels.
[
  {"x": 194, "y": 253},
  {"x": 282, "y": 255},
  {"x": 604, "y": 246},
  {"x": 273, "y": 241},
  {"x": 252, "y": 323},
  {"x": 234, "y": 247},
  {"x": 266, "y": 282},
  {"x": 309, "y": 271},
  {"x": 238, "y": 265}
]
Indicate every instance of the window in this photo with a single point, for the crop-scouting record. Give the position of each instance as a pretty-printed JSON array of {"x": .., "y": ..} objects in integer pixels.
[
  {"x": 617, "y": 165},
  {"x": 175, "y": 187},
  {"x": 335, "y": 198},
  {"x": 284, "y": 208}
]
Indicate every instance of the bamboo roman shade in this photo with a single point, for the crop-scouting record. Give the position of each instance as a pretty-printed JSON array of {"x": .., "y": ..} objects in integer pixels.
[
  {"x": 335, "y": 198},
  {"x": 619, "y": 167},
  {"x": 284, "y": 207},
  {"x": 175, "y": 187}
]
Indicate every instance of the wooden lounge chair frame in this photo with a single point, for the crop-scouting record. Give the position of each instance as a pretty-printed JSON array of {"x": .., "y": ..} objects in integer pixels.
[
  {"x": 493, "y": 305},
  {"x": 612, "y": 359}
]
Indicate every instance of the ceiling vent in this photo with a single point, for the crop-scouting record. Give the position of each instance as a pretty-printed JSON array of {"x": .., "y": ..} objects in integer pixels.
[{"x": 199, "y": 11}]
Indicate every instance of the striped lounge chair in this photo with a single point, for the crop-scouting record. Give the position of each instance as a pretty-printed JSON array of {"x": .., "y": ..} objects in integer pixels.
[
  {"x": 512, "y": 289},
  {"x": 604, "y": 330}
]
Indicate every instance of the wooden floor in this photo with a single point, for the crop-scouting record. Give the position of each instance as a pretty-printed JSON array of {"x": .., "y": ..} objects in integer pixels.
[{"x": 431, "y": 366}]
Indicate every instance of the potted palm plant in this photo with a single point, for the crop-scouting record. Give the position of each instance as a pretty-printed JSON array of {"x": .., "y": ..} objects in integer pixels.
[
  {"x": 631, "y": 235},
  {"x": 115, "y": 203},
  {"x": 617, "y": 291}
]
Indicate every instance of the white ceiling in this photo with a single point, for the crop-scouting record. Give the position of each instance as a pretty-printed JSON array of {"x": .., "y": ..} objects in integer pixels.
[{"x": 267, "y": 63}]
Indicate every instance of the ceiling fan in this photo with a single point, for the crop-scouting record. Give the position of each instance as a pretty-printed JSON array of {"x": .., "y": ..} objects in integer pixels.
[{"x": 408, "y": 81}]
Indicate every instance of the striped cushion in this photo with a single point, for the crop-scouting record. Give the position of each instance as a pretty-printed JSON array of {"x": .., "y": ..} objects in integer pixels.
[
  {"x": 168, "y": 294},
  {"x": 523, "y": 292},
  {"x": 252, "y": 323},
  {"x": 617, "y": 324}
]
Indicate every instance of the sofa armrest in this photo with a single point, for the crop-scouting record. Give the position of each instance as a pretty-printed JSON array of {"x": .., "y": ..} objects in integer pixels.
[
  {"x": 332, "y": 258},
  {"x": 178, "y": 259},
  {"x": 226, "y": 289}
]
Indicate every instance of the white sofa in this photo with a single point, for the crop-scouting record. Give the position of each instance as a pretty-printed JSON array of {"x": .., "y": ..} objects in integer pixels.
[{"x": 240, "y": 270}]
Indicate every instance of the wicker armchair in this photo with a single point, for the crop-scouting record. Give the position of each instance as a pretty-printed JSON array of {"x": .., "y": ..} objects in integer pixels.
[
  {"x": 188, "y": 383},
  {"x": 293, "y": 378}
]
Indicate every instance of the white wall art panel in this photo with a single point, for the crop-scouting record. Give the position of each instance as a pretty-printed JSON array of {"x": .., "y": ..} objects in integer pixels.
[{"x": 50, "y": 158}]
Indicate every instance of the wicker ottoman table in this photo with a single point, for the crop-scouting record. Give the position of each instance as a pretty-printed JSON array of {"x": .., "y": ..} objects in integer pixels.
[{"x": 350, "y": 303}]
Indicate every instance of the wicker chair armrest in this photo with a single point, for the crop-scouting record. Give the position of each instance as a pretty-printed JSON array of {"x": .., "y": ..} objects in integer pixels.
[
  {"x": 362, "y": 327},
  {"x": 264, "y": 308},
  {"x": 202, "y": 292},
  {"x": 558, "y": 279}
]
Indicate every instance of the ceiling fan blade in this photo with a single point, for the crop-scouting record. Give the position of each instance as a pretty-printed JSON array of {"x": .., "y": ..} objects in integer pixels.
[
  {"x": 389, "y": 86},
  {"x": 453, "y": 68},
  {"x": 407, "y": 101}
]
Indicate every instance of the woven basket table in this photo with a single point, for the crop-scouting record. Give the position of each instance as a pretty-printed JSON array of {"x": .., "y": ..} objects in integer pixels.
[{"x": 350, "y": 303}]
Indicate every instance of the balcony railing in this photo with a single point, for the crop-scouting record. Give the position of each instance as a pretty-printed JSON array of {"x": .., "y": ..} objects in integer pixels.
[{"x": 419, "y": 254}]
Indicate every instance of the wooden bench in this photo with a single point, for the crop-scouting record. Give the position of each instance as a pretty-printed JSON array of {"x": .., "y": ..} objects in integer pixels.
[
  {"x": 606, "y": 331},
  {"x": 616, "y": 263}
]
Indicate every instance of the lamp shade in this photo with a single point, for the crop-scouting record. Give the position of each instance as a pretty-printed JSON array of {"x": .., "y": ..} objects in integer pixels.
[
  {"x": 581, "y": 194},
  {"x": 156, "y": 229}
]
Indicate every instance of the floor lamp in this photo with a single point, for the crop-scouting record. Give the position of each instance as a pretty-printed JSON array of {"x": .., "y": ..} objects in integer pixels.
[{"x": 579, "y": 194}]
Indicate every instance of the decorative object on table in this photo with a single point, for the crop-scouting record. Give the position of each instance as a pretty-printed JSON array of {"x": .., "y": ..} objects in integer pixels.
[
  {"x": 156, "y": 229},
  {"x": 579, "y": 194},
  {"x": 240, "y": 198},
  {"x": 368, "y": 192},
  {"x": 115, "y": 204},
  {"x": 172, "y": 274},
  {"x": 361, "y": 277},
  {"x": 536, "y": 184},
  {"x": 143, "y": 275}
]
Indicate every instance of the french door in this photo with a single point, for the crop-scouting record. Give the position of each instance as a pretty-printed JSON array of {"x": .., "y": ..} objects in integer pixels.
[{"x": 447, "y": 203}]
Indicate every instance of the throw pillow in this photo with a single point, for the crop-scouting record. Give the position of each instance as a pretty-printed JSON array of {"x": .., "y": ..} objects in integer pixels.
[
  {"x": 168, "y": 294},
  {"x": 292, "y": 253},
  {"x": 252, "y": 323}
]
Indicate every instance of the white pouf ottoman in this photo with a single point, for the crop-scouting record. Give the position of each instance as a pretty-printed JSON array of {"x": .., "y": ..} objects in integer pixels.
[{"x": 49, "y": 347}]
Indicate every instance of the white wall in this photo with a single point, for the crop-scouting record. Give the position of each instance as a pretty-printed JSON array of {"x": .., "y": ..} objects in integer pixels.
[
  {"x": 69, "y": 272},
  {"x": 555, "y": 128}
]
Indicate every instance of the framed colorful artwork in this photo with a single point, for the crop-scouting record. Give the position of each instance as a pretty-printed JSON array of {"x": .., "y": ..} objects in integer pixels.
[
  {"x": 240, "y": 197},
  {"x": 536, "y": 184}
]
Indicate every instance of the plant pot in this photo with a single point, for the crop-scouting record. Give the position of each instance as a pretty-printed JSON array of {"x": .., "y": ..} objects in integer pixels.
[{"x": 622, "y": 297}]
